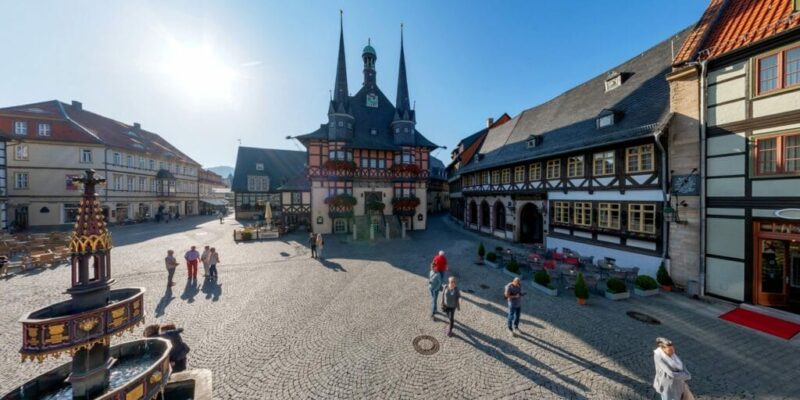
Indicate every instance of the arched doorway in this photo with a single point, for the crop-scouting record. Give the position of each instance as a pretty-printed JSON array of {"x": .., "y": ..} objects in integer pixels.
[
  {"x": 499, "y": 216},
  {"x": 485, "y": 217},
  {"x": 531, "y": 224},
  {"x": 473, "y": 212}
]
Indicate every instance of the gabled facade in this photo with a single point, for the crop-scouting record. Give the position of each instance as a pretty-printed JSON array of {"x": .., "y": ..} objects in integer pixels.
[
  {"x": 368, "y": 163},
  {"x": 52, "y": 142},
  {"x": 585, "y": 171},
  {"x": 211, "y": 198},
  {"x": 743, "y": 63}
]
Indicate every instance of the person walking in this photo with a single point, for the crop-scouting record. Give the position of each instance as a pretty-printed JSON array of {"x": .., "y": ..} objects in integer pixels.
[
  {"x": 451, "y": 300},
  {"x": 671, "y": 374},
  {"x": 171, "y": 263},
  {"x": 312, "y": 241},
  {"x": 220, "y": 216},
  {"x": 513, "y": 293},
  {"x": 439, "y": 264},
  {"x": 320, "y": 245},
  {"x": 213, "y": 259},
  {"x": 204, "y": 260},
  {"x": 192, "y": 257},
  {"x": 435, "y": 284}
]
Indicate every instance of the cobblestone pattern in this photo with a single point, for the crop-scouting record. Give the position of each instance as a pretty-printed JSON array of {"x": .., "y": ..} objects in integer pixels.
[{"x": 281, "y": 325}]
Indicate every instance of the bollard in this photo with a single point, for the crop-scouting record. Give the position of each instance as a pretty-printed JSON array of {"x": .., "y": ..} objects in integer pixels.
[
  {"x": 371, "y": 231},
  {"x": 402, "y": 230},
  {"x": 354, "y": 231},
  {"x": 387, "y": 231}
]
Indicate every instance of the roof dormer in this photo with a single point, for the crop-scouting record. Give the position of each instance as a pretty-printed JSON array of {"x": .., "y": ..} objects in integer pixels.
[
  {"x": 615, "y": 79},
  {"x": 534, "y": 141},
  {"x": 607, "y": 118}
]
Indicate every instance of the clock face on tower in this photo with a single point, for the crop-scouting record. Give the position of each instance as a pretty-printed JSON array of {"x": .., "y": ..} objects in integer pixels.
[{"x": 372, "y": 100}]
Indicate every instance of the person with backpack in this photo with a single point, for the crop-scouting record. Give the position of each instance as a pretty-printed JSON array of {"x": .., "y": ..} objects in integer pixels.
[
  {"x": 435, "y": 284},
  {"x": 513, "y": 293},
  {"x": 451, "y": 300}
]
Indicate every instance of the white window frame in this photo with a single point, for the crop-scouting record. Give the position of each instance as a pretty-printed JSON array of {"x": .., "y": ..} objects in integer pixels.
[
  {"x": 117, "y": 159},
  {"x": 83, "y": 158},
  {"x": 21, "y": 148},
  {"x": 44, "y": 129},
  {"x": 20, "y": 127},
  {"x": 21, "y": 181}
]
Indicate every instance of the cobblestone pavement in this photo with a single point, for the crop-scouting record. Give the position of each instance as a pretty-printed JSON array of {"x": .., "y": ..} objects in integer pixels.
[{"x": 281, "y": 325}]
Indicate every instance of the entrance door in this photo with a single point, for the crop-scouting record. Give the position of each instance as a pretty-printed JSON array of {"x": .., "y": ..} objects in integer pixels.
[
  {"x": 21, "y": 217},
  {"x": 772, "y": 281},
  {"x": 531, "y": 224},
  {"x": 371, "y": 197}
]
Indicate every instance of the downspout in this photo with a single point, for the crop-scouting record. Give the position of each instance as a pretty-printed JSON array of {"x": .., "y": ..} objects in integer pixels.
[
  {"x": 664, "y": 230},
  {"x": 702, "y": 261}
]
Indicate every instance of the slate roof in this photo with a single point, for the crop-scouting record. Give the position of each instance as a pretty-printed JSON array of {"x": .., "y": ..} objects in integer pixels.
[
  {"x": 727, "y": 25},
  {"x": 568, "y": 122},
  {"x": 88, "y": 127},
  {"x": 436, "y": 169},
  {"x": 282, "y": 166}
]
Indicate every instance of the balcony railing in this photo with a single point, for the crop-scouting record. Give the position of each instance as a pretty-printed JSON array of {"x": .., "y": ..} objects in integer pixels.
[{"x": 370, "y": 173}]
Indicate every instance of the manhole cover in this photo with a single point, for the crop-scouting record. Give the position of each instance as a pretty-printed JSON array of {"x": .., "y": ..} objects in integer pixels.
[
  {"x": 425, "y": 345},
  {"x": 483, "y": 286},
  {"x": 643, "y": 318}
]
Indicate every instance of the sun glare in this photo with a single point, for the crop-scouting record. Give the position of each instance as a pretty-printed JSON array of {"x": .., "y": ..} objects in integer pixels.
[{"x": 199, "y": 71}]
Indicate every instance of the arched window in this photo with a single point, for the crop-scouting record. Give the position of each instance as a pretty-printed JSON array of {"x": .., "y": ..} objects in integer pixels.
[
  {"x": 499, "y": 216},
  {"x": 485, "y": 214}
]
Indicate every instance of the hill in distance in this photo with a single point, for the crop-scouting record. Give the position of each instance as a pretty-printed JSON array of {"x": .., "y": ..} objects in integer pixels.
[{"x": 222, "y": 171}]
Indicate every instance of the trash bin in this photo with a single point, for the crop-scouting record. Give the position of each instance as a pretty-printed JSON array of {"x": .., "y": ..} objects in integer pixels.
[{"x": 692, "y": 288}]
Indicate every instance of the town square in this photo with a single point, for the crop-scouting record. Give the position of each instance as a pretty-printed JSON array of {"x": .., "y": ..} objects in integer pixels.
[{"x": 387, "y": 200}]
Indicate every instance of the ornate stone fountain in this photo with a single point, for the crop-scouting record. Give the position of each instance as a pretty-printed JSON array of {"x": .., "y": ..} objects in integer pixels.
[{"x": 83, "y": 326}]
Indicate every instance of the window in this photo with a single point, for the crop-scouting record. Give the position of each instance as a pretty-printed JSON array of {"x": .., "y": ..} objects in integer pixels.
[
  {"x": 259, "y": 167},
  {"x": 161, "y": 165},
  {"x": 129, "y": 159},
  {"x": 495, "y": 177},
  {"x": 21, "y": 180},
  {"x": 778, "y": 71},
  {"x": 604, "y": 163},
  {"x": 778, "y": 155},
  {"x": 583, "y": 213},
  {"x": 506, "y": 176},
  {"x": 20, "y": 127},
  {"x": 561, "y": 212},
  {"x": 404, "y": 158},
  {"x": 153, "y": 185},
  {"x": 117, "y": 182},
  {"x": 642, "y": 218},
  {"x": 297, "y": 198},
  {"x": 535, "y": 172},
  {"x": 152, "y": 164},
  {"x": 339, "y": 225},
  {"x": 117, "y": 159},
  {"x": 485, "y": 178},
  {"x": 130, "y": 183},
  {"x": 44, "y": 129},
  {"x": 608, "y": 215},
  {"x": 605, "y": 120},
  {"x": 257, "y": 183},
  {"x": 341, "y": 155},
  {"x": 142, "y": 163},
  {"x": 21, "y": 152},
  {"x": 519, "y": 174},
  {"x": 86, "y": 156},
  {"x": 639, "y": 158},
  {"x": 553, "y": 169},
  {"x": 70, "y": 214},
  {"x": 142, "y": 184},
  {"x": 404, "y": 189},
  {"x": 575, "y": 166}
]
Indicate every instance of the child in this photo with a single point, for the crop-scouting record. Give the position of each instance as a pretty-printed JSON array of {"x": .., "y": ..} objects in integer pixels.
[{"x": 451, "y": 300}]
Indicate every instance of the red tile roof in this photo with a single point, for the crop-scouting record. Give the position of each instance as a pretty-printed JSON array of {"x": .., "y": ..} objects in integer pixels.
[
  {"x": 80, "y": 125},
  {"x": 466, "y": 156},
  {"x": 728, "y": 25}
]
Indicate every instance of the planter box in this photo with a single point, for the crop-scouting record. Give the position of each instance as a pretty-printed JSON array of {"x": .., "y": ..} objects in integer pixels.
[
  {"x": 645, "y": 293},
  {"x": 491, "y": 264},
  {"x": 617, "y": 296},
  {"x": 511, "y": 274},
  {"x": 544, "y": 289}
]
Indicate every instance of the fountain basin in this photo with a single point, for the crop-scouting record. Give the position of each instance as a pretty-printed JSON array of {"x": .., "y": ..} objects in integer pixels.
[
  {"x": 58, "y": 328},
  {"x": 141, "y": 371}
]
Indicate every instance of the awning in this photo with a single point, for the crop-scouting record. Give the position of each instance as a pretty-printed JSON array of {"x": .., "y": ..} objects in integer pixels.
[{"x": 215, "y": 202}]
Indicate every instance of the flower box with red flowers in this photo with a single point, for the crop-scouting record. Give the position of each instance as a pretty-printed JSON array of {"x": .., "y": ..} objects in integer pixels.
[
  {"x": 405, "y": 203},
  {"x": 339, "y": 166},
  {"x": 341, "y": 201},
  {"x": 408, "y": 169}
]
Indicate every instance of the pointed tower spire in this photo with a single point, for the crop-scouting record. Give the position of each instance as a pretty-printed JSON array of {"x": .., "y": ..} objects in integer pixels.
[
  {"x": 340, "y": 92},
  {"x": 402, "y": 104}
]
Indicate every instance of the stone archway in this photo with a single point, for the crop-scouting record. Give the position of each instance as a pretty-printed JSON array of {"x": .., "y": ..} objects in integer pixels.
[
  {"x": 485, "y": 215},
  {"x": 473, "y": 212},
  {"x": 531, "y": 224},
  {"x": 499, "y": 216}
]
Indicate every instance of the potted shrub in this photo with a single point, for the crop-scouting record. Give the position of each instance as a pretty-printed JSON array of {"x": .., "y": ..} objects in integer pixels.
[
  {"x": 491, "y": 259},
  {"x": 581, "y": 290},
  {"x": 541, "y": 282},
  {"x": 512, "y": 268},
  {"x": 481, "y": 253},
  {"x": 616, "y": 289},
  {"x": 645, "y": 286},
  {"x": 663, "y": 278}
]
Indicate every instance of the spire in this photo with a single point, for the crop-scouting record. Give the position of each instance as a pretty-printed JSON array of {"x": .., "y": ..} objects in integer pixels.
[
  {"x": 402, "y": 103},
  {"x": 340, "y": 92}
]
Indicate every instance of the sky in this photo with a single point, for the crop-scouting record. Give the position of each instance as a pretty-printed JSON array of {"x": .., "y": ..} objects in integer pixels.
[{"x": 208, "y": 75}]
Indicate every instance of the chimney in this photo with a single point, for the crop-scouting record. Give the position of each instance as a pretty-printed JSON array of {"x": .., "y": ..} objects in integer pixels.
[
  {"x": 137, "y": 127},
  {"x": 489, "y": 122},
  {"x": 77, "y": 105}
]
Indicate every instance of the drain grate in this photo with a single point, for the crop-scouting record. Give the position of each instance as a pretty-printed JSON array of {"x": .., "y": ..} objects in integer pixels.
[
  {"x": 484, "y": 286},
  {"x": 642, "y": 317},
  {"x": 425, "y": 345}
]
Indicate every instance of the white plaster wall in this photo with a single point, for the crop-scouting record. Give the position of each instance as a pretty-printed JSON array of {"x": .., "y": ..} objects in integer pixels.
[
  {"x": 727, "y": 91},
  {"x": 733, "y": 165},
  {"x": 726, "y": 144},
  {"x": 725, "y": 187},
  {"x": 725, "y": 237},
  {"x": 725, "y": 278},
  {"x": 648, "y": 265},
  {"x": 773, "y": 188},
  {"x": 775, "y": 104},
  {"x": 726, "y": 113},
  {"x": 727, "y": 72},
  {"x": 630, "y": 195}
]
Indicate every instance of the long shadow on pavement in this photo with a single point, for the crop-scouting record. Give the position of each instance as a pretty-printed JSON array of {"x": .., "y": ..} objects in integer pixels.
[
  {"x": 164, "y": 302},
  {"x": 211, "y": 289}
]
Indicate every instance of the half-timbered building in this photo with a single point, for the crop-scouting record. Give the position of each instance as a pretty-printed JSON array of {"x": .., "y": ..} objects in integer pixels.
[
  {"x": 585, "y": 170},
  {"x": 368, "y": 163},
  {"x": 744, "y": 56}
]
